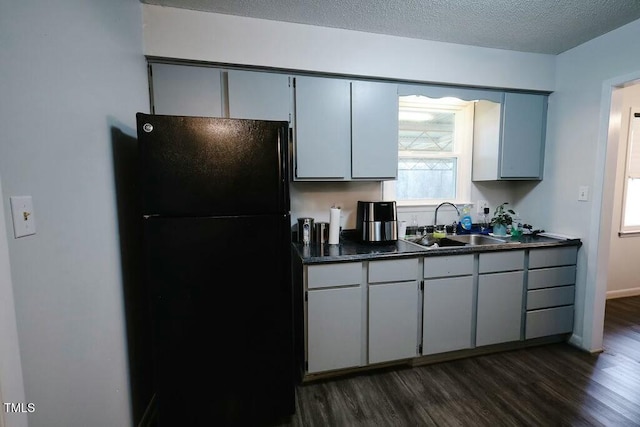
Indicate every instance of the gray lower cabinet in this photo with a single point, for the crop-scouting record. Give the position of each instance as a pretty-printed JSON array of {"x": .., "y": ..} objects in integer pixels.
[
  {"x": 500, "y": 297},
  {"x": 393, "y": 310},
  {"x": 448, "y": 304},
  {"x": 550, "y": 291},
  {"x": 334, "y": 325},
  {"x": 369, "y": 312}
]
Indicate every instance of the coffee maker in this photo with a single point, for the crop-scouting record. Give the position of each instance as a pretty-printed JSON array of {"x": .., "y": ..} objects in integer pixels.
[{"x": 377, "y": 222}]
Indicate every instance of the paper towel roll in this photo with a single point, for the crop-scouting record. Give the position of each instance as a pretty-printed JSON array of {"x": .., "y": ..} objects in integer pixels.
[
  {"x": 402, "y": 229},
  {"x": 334, "y": 226}
]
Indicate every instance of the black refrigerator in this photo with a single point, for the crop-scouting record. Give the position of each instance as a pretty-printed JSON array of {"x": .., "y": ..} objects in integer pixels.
[{"x": 217, "y": 241}]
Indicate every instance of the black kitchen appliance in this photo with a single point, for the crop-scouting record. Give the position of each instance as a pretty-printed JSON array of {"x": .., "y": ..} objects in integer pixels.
[
  {"x": 217, "y": 237},
  {"x": 377, "y": 222}
]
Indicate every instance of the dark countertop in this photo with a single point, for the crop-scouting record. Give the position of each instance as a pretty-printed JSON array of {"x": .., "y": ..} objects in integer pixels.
[{"x": 350, "y": 249}]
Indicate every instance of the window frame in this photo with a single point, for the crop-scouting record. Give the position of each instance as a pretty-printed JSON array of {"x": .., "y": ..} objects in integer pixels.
[{"x": 463, "y": 152}]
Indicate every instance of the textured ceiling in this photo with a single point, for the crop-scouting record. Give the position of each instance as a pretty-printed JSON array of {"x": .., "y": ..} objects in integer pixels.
[{"x": 538, "y": 26}]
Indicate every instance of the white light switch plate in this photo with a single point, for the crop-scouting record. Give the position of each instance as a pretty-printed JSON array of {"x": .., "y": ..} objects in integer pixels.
[
  {"x": 24, "y": 221},
  {"x": 583, "y": 193}
]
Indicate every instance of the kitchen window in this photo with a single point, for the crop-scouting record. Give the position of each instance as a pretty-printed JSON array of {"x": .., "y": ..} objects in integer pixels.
[
  {"x": 631, "y": 196},
  {"x": 434, "y": 151}
]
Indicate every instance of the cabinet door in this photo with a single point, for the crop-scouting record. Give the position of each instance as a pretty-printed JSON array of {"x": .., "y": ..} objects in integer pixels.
[
  {"x": 374, "y": 130},
  {"x": 334, "y": 328},
  {"x": 322, "y": 128},
  {"x": 523, "y": 135},
  {"x": 183, "y": 90},
  {"x": 447, "y": 320},
  {"x": 486, "y": 140},
  {"x": 260, "y": 96},
  {"x": 393, "y": 321},
  {"x": 499, "y": 312}
]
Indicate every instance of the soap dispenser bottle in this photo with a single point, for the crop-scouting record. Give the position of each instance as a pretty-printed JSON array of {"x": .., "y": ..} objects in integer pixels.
[
  {"x": 485, "y": 221},
  {"x": 465, "y": 218}
]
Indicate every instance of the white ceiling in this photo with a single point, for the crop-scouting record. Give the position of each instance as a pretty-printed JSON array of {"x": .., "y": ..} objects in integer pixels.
[{"x": 538, "y": 26}]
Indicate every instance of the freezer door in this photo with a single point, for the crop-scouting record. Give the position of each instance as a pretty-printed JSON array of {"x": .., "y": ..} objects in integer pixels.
[
  {"x": 199, "y": 166},
  {"x": 221, "y": 298}
]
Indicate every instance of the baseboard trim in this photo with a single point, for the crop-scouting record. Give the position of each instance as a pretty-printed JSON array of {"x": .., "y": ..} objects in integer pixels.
[
  {"x": 437, "y": 358},
  {"x": 576, "y": 341},
  {"x": 632, "y": 292}
]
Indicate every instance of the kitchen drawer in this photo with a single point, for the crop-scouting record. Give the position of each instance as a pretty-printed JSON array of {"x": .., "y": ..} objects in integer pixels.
[
  {"x": 451, "y": 265},
  {"x": 549, "y": 277},
  {"x": 501, "y": 261},
  {"x": 399, "y": 270},
  {"x": 339, "y": 274},
  {"x": 550, "y": 257},
  {"x": 550, "y": 297},
  {"x": 549, "y": 321}
]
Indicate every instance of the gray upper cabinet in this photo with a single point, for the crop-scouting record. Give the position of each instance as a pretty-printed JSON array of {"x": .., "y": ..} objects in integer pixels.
[
  {"x": 374, "y": 130},
  {"x": 509, "y": 138},
  {"x": 258, "y": 95},
  {"x": 345, "y": 130},
  {"x": 523, "y": 136},
  {"x": 322, "y": 128},
  {"x": 186, "y": 90}
]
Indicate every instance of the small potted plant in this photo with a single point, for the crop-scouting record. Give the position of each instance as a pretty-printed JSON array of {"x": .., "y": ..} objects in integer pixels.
[{"x": 502, "y": 217}]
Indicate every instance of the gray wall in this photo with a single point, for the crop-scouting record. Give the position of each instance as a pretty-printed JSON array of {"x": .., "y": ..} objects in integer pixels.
[{"x": 72, "y": 78}]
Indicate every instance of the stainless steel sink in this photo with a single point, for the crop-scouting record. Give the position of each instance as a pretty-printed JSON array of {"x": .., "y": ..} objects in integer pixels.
[
  {"x": 461, "y": 240},
  {"x": 477, "y": 239}
]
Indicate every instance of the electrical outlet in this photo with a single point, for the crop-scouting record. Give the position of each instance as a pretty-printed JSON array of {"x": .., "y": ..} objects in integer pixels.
[
  {"x": 24, "y": 221},
  {"x": 481, "y": 205}
]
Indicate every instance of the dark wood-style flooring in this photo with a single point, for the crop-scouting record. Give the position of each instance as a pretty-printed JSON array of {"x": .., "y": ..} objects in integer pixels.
[{"x": 549, "y": 385}]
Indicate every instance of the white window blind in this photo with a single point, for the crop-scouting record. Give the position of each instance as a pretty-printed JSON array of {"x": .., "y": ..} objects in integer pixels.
[{"x": 633, "y": 152}]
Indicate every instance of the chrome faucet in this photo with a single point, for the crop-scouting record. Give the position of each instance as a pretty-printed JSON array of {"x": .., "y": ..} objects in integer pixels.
[{"x": 435, "y": 217}]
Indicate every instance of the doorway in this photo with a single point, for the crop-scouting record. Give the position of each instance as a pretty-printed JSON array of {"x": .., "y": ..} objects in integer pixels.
[{"x": 599, "y": 258}]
